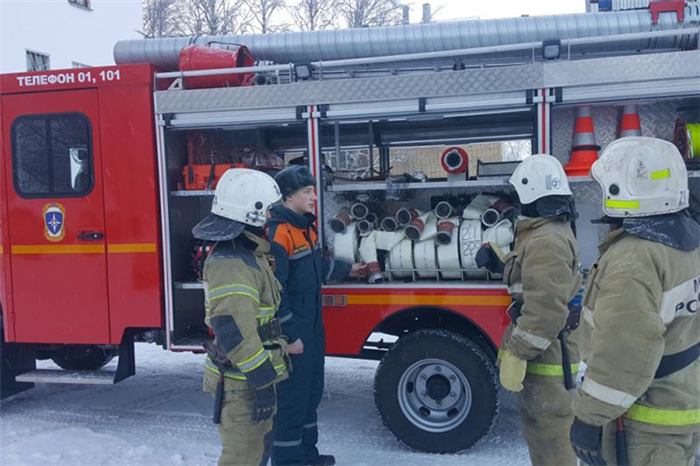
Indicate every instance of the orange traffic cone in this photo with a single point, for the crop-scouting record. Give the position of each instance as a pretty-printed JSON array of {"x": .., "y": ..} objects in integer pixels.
[
  {"x": 629, "y": 124},
  {"x": 584, "y": 151}
]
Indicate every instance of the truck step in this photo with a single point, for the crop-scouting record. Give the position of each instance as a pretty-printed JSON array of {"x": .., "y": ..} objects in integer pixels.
[{"x": 98, "y": 377}]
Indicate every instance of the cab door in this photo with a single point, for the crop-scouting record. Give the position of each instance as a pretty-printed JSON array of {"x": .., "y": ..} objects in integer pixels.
[{"x": 56, "y": 217}]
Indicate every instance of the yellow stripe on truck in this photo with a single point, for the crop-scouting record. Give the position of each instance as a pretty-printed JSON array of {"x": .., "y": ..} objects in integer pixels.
[
  {"x": 60, "y": 249},
  {"x": 408, "y": 300},
  {"x": 131, "y": 248},
  {"x": 84, "y": 248}
]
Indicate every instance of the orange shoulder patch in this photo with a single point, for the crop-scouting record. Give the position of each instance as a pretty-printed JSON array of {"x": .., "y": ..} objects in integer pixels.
[{"x": 283, "y": 237}]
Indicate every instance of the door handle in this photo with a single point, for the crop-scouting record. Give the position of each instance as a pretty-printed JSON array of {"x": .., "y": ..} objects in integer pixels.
[{"x": 90, "y": 235}]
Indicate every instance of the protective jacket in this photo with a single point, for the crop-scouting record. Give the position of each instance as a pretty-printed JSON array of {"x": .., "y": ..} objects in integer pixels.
[
  {"x": 641, "y": 304},
  {"x": 543, "y": 275},
  {"x": 242, "y": 298},
  {"x": 300, "y": 268}
]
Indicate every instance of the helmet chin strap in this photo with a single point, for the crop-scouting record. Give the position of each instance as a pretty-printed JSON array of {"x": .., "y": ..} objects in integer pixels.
[
  {"x": 529, "y": 210},
  {"x": 551, "y": 206},
  {"x": 606, "y": 220},
  {"x": 257, "y": 231}
]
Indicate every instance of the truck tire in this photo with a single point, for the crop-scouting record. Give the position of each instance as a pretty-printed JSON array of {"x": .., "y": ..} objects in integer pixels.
[
  {"x": 436, "y": 391},
  {"x": 82, "y": 358}
]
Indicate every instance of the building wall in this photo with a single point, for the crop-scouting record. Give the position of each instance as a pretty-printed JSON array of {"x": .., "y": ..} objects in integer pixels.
[
  {"x": 354, "y": 163},
  {"x": 428, "y": 159},
  {"x": 64, "y": 31}
]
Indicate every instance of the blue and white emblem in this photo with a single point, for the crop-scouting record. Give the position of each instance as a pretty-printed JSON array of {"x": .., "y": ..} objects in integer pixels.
[{"x": 54, "y": 222}]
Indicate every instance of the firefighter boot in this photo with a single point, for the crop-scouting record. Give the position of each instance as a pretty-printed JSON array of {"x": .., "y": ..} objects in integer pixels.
[{"x": 321, "y": 460}]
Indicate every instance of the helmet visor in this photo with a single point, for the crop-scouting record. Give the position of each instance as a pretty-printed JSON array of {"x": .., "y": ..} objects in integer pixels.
[{"x": 216, "y": 228}]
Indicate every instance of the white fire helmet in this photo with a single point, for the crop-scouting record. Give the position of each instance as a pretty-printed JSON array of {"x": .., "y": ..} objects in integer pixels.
[
  {"x": 241, "y": 198},
  {"x": 538, "y": 176},
  {"x": 245, "y": 195},
  {"x": 641, "y": 177}
]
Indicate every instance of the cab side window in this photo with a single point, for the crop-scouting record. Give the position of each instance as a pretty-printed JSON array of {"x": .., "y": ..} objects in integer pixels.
[{"x": 52, "y": 156}]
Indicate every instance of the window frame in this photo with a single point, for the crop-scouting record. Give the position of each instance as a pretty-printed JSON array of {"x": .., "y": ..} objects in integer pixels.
[
  {"x": 36, "y": 52},
  {"x": 48, "y": 117}
]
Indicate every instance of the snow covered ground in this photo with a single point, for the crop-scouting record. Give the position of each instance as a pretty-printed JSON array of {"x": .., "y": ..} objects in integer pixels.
[{"x": 161, "y": 417}]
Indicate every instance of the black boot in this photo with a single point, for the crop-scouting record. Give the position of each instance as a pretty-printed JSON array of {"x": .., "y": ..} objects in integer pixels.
[{"x": 321, "y": 460}]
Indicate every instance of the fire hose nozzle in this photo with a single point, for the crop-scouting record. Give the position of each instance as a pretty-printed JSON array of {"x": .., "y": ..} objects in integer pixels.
[
  {"x": 389, "y": 224},
  {"x": 443, "y": 210},
  {"x": 414, "y": 230},
  {"x": 364, "y": 226},
  {"x": 455, "y": 160},
  {"x": 359, "y": 211},
  {"x": 404, "y": 216},
  {"x": 444, "y": 232},
  {"x": 490, "y": 217},
  {"x": 375, "y": 273},
  {"x": 342, "y": 219}
]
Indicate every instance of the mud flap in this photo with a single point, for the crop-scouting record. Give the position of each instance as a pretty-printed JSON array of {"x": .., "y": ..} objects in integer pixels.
[
  {"x": 15, "y": 359},
  {"x": 126, "y": 365}
]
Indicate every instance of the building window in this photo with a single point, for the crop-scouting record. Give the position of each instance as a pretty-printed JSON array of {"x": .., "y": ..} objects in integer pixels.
[
  {"x": 37, "y": 61},
  {"x": 82, "y": 3},
  {"x": 77, "y": 64},
  {"x": 52, "y": 155}
]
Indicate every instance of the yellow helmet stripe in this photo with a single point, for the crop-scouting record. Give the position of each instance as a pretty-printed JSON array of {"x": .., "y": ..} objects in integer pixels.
[
  {"x": 621, "y": 204},
  {"x": 661, "y": 174}
]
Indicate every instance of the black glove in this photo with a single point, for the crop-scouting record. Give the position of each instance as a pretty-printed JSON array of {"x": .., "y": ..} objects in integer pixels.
[
  {"x": 587, "y": 441},
  {"x": 490, "y": 257},
  {"x": 265, "y": 400}
]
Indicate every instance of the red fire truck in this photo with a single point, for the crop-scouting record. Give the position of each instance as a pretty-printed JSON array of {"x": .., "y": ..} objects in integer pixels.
[{"x": 100, "y": 167}]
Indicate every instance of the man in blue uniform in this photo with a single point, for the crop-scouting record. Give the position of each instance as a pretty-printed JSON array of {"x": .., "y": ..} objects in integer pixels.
[{"x": 301, "y": 268}]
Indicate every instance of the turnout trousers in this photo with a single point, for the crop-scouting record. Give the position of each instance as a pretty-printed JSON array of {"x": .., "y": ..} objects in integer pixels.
[
  {"x": 244, "y": 443},
  {"x": 298, "y": 397},
  {"x": 546, "y": 418}
]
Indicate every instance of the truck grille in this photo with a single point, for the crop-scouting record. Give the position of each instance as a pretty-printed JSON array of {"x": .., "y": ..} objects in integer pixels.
[{"x": 334, "y": 300}]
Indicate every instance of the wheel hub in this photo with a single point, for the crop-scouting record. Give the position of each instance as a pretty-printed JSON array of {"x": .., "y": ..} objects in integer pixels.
[
  {"x": 434, "y": 395},
  {"x": 438, "y": 387}
]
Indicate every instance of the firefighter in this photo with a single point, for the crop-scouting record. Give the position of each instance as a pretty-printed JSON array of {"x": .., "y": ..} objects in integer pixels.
[
  {"x": 537, "y": 358},
  {"x": 246, "y": 359},
  {"x": 300, "y": 268},
  {"x": 640, "y": 327}
]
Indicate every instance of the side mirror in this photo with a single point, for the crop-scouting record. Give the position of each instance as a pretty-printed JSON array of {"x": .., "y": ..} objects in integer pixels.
[{"x": 78, "y": 167}]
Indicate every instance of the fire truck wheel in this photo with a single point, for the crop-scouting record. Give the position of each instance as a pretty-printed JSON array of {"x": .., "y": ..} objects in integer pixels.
[
  {"x": 82, "y": 358},
  {"x": 437, "y": 391}
]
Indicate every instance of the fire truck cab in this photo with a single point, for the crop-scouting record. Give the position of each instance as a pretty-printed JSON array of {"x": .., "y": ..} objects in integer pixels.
[{"x": 80, "y": 237}]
